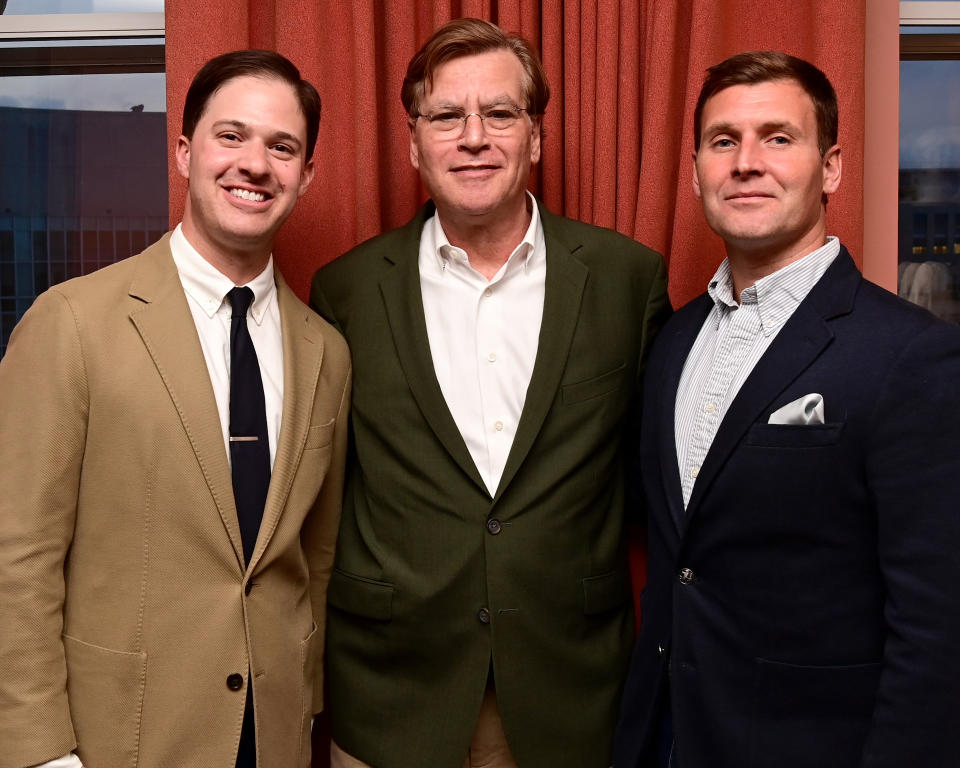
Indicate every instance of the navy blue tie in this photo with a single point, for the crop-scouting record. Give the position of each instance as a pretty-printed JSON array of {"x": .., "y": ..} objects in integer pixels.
[{"x": 249, "y": 446}]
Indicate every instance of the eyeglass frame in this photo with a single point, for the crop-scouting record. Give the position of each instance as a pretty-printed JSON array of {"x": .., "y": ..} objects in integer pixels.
[{"x": 467, "y": 115}]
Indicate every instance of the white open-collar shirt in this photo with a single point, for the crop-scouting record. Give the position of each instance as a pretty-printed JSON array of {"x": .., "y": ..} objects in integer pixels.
[{"x": 483, "y": 337}]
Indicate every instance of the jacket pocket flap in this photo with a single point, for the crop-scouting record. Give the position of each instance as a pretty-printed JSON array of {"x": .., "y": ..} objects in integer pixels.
[
  {"x": 598, "y": 385},
  {"x": 794, "y": 435},
  {"x": 320, "y": 435},
  {"x": 606, "y": 592},
  {"x": 363, "y": 597}
]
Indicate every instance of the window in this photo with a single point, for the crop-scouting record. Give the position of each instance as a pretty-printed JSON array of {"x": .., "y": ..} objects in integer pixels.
[
  {"x": 929, "y": 241},
  {"x": 84, "y": 158}
]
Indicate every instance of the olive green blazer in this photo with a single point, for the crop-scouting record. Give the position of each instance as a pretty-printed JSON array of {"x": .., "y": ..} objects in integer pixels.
[
  {"x": 435, "y": 581},
  {"x": 125, "y": 604}
]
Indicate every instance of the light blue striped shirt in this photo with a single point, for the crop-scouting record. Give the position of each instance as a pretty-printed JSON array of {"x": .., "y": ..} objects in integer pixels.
[{"x": 733, "y": 338}]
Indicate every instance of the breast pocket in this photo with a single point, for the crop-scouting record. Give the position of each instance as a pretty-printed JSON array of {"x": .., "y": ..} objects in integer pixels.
[
  {"x": 794, "y": 435},
  {"x": 597, "y": 386},
  {"x": 320, "y": 435}
]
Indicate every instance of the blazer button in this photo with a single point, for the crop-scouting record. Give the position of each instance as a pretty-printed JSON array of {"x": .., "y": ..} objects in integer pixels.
[
  {"x": 686, "y": 576},
  {"x": 493, "y": 526},
  {"x": 235, "y": 681},
  {"x": 484, "y": 615}
]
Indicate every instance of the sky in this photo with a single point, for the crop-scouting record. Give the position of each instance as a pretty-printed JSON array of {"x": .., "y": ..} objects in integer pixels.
[
  {"x": 929, "y": 114},
  {"x": 82, "y": 6},
  {"x": 112, "y": 93}
]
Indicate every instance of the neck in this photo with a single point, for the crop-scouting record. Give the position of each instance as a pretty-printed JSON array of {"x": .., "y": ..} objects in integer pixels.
[
  {"x": 747, "y": 266},
  {"x": 488, "y": 240},
  {"x": 240, "y": 265}
]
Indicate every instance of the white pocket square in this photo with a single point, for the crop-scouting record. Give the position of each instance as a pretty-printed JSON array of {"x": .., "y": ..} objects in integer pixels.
[{"x": 804, "y": 410}]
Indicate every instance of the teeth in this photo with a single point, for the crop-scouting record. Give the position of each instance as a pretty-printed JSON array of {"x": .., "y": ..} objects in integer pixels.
[{"x": 246, "y": 194}]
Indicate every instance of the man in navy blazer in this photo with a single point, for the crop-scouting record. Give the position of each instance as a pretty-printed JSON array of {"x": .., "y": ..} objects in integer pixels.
[{"x": 801, "y": 465}]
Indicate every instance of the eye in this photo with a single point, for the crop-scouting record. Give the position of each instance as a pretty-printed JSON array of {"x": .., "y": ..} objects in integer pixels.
[
  {"x": 445, "y": 118},
  {"x": 229, "y": 136},
  {"x": 722, "y": 143},
  {"x": 780, "y": 140},
  {"x": 284, "y": 149},
  {"x": 500, "y": 114}
]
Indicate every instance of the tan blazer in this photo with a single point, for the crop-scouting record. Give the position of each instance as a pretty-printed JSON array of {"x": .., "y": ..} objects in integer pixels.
[{"x": 124, "y": 601}]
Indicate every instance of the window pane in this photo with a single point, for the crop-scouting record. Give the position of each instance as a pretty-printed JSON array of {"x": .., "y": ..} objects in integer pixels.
[
  {"x": 84, "y": 180},
  {"x": 929, "y": 243}
]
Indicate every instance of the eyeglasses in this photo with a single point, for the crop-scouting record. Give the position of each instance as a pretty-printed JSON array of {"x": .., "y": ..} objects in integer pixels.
[{"x": 499, "y": 119}]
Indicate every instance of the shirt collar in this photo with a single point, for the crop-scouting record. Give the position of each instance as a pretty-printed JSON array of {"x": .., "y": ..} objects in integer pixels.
[
  {"x": 778, "y": 294},
  {"x": 207, "y": 286},
  {"x": 525, "y": 252}
]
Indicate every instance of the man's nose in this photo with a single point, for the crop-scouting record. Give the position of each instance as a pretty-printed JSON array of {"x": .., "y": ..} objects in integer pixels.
[
  {"x": 473, "y": 135},
  {"x": 253, "y": 158},
  {"x": 749, "y": 159}
]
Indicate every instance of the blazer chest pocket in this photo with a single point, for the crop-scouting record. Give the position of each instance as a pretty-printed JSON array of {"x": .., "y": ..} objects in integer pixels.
[
  {"x": 591, "y": 388},
  {"x": 360, "y": 596},
  {"x": 320, "y": 435},
  {"x": 794, "y": 435},
  {"x": 606, "y": 592}
]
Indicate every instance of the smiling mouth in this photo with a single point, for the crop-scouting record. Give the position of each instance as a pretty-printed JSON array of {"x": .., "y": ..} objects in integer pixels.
[
  {"x": 246, "y": 194},
  {"x": 750, "y": 196},
  {"x": 473, "y": 168}
]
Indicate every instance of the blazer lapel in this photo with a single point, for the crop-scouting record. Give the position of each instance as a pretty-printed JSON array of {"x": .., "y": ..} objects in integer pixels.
[
  {"x": 302, "y": 356},
  {"x": 565, "y": 279},
  {"x": 800, "y": 342},
  {"x": 170, "y": 336},
  {"x": 678, "y": 347},
  {"x": 403, "y": 300}
]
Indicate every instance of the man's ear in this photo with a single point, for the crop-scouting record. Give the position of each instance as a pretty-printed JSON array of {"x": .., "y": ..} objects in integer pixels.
[
  {"x": 696, "y": 176},
  {"x": 183, "y": 156},
  {"x": 306, "y": 176},
  {"x": 535, "y": 135},
  {"x": 414, "y": 150},
  {"x": 832, "y": 170}
]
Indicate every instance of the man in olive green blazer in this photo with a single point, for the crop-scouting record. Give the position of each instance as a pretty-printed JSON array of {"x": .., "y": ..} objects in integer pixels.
[
  {"x": 458, "y": 600},
  {"x": 131, "y": 621}
]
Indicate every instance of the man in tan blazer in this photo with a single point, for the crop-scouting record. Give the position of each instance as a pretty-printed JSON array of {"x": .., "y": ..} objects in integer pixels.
[{"x": 133, "y": 610}]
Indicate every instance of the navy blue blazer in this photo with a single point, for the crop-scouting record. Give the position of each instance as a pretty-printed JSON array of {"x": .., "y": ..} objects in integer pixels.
[{"x": 804, "y": 610}]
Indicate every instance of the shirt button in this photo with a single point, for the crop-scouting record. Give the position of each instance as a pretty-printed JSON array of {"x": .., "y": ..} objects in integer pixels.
[
  {"x": 493, "y": 526},
  {"x": 484, "y": 616},
  {"x": 492, "y": 356},
  {"x": 488, "y": 293},
  {"x": 694, "y": 472},
  {"x": 498, "y": 426},
  {"x": 709, "y": 407},
  {"x": 235, "y": 681}
]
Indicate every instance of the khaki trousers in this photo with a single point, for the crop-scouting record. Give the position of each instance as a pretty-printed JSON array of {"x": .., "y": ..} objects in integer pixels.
[{"x": 488, "y": 747}]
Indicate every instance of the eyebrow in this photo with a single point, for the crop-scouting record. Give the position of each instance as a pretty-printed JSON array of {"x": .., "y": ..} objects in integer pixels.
[
  {"x": 772, "y": 126},
  {"x": 499, "y": 100}
]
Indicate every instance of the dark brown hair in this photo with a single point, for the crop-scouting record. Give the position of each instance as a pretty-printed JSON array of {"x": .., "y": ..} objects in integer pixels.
[
  {"x": 755, "y": 67},
  {"x": 467, "y": 37},
  {"x": 250, "y": 63}
]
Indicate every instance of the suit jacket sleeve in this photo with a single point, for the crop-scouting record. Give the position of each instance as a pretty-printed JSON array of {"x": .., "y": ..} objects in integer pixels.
[
  {"x": 913, "y": 471},
  {"x": 42, "y": 432}
]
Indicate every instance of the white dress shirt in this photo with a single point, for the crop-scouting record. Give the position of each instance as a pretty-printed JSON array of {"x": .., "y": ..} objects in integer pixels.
[
  {"x": 731, "y": 341},
  {"x": 483, "y": 338},
  {"x": 206, "y": 291}
]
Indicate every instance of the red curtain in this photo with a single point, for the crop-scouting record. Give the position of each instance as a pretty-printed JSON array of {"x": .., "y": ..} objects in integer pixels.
[{"x": 618, "y": 130}]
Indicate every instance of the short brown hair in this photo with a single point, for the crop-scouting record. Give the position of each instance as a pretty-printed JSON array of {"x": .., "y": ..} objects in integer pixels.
[
  {"x": 250, "y": 63},
  {"x": 467, "y": 37},
  {"x": 755, "y": 67}
]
